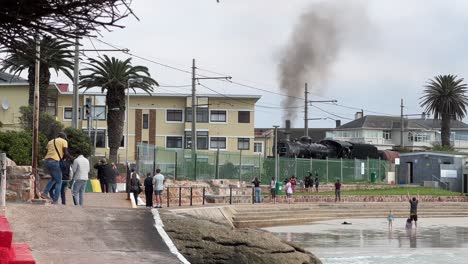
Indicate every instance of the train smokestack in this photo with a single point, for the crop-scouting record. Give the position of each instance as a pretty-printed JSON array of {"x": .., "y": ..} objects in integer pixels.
[
  {"x": 337, "y": 123},
  {"x": 287, "y": 131}
]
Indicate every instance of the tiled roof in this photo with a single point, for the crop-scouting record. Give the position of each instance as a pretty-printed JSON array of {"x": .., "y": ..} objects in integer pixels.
[
  {"x": 394, "y": 122},
  {"x": 8, "y": 78}
]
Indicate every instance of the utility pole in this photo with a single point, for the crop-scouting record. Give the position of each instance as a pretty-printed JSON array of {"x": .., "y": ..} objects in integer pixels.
[
  {"x": 195, "y": 79},
  {"x": 76, "y": 72},
  {"x": 306, "y": 115},
  {"x": 275, "y": 141},
  {"x": 402, "y": 143},
  {"x": 35, "y": 153}
]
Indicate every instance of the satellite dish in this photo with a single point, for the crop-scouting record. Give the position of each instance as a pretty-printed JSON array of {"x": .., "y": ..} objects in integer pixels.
[{"x": 5, "y": 104}]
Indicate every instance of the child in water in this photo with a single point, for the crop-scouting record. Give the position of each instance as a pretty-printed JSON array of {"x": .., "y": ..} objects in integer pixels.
[
  {"x": 390, "y": 219},
  {"x": 409, "y": 224}
]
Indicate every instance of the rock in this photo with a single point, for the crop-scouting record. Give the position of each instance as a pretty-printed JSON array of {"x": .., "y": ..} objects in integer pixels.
[
  {"x": 205, "y": 242},
  {"x": 11, "y": 196}
]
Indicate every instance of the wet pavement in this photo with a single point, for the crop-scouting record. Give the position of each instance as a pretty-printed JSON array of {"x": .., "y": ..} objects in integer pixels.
[{"x": 436, "y": 240}]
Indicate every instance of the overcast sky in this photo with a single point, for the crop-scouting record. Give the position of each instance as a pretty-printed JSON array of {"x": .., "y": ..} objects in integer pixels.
[{"x": 402, "y": 44}]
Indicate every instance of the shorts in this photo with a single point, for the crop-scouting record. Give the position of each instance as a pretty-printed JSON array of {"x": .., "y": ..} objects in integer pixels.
[
  {"x": 273, "y": 192},
  {"x": 158, "y": 192},
  {"x": 414, "y": 217},
  {"x": 288, "y": 195}
]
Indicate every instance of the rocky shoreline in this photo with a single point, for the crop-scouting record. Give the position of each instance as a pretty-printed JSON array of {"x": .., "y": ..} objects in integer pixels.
[{"x": 203, "y": 241}]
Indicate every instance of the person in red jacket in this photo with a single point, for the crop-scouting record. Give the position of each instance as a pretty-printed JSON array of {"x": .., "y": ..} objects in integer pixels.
[{"x": 337, "y": 191}]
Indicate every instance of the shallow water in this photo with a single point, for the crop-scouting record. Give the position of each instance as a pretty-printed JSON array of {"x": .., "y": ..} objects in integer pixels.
[{"x": 368, "y": 241}]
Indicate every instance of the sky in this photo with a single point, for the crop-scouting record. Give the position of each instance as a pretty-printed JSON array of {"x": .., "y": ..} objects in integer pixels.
[{"x": 394, "y": 48}]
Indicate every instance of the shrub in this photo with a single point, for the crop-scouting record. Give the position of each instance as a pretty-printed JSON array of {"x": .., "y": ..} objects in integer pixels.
[
  {"x": 77, "y": 139},
  {"x": 18, "y": 146},
  {"x": 47, "y": 123}
]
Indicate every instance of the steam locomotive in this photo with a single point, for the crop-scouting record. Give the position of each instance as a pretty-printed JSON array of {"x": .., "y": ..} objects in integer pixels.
[{"x": 333, "y": 149}]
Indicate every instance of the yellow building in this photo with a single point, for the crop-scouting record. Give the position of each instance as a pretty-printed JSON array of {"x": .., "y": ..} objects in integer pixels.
[{"x": 164, "y": 120}]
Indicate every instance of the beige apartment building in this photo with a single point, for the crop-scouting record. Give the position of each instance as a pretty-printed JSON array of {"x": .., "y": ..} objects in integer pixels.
[{"x": 223, "y": 122}]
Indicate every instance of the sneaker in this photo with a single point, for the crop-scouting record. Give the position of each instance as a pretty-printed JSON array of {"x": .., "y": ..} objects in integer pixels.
[{"x": 45, "y": 197}]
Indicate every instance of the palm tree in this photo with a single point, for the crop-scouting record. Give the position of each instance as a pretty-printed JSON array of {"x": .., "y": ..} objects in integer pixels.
[
  {"x": 55, "y": 54},
  {"x": 112, "y": 76},
  {"x": 444, "y": 96}
]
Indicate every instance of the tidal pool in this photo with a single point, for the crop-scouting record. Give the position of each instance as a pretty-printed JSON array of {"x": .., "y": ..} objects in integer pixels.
[{"x": 368, "y": 241}]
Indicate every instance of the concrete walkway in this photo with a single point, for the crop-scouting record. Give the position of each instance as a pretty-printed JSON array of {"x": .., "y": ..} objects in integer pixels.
[{"x": 106, "y": 230}]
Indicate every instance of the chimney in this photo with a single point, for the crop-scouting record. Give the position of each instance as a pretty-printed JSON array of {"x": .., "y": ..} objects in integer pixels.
[
  {"x": 287, "y": 131},
  {"x": 337, "y": 123},
  {"x": 359, "y": 114}
]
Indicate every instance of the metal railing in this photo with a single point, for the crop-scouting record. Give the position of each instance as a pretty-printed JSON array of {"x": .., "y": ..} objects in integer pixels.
[{"x": 180, "y": 197}]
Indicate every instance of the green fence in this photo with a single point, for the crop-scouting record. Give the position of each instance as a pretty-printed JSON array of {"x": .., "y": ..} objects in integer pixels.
[{"x": 178, "y": 164}]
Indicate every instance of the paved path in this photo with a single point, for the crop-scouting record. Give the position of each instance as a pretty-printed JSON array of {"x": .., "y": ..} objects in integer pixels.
[{"x": 106, "y": 230}]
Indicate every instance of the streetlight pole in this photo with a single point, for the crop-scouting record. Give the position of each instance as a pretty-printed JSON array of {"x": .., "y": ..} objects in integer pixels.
[
  {"x": 127, "y": 110},
  {"x": 194, "y": 112},
  {"x": 276, "y": 152}
]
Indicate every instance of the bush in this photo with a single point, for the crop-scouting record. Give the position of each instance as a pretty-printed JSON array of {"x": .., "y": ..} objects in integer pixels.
[
  {"x": 77, "y": 139},
  {"x": 18, "y": 146},
  {"x": 47, "y": 123},
  {"x": 439, "y": 147}
]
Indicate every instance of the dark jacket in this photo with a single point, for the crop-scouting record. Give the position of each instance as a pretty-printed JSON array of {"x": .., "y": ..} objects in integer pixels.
[
  {"x": 109, "y": 174},
  {"x": 148, "y": 184},
  {"x": 100, "y": 172},
  {"x": 65, "y": 172},
  {"x": 135, "y": 185}
]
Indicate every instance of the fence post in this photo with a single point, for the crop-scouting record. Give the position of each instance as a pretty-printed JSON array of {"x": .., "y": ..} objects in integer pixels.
[
  {"x": 195, "y": 167},
  {"x": 203, "y": 202},
  {"x": 230, "y": 195},
  {"x": 2, "y": 180},
  {"x": 191, "y": 193},
  {"x": 295, "y": 166},
  {"x": 326, "y": 160},
  {"x": 379, "y": 170},
  {"x": 180, "y": 195},
  {"x": 368, "y": 171},
  {"x": 217, "y": 164},
  {"x": 311, "y": 165},
  {"x": 341, "y": 168},
  {"x": 240, "y": 165},
  {"x": 175, "y": 170},
  {"x": 167, "y": 196},
  {"x": 253, "y": 194},
  {"x": 154, "y": 160},
  {"x": 260, "y": 166}
]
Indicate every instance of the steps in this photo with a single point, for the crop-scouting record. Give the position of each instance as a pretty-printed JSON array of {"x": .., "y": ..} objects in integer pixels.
[
  {"x": 12, "y": 253},
  {"x": 264, "y": 215}
]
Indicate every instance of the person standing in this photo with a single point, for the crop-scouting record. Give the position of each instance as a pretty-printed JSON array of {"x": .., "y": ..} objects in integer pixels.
[
  {"x": 101, "y": 174},
  {"x": 135, "y": 186},
  {"x": 337, "y": 191},
  {"x": 149, "y": 190},
  {"x": 413, "y": 209},
  {"x": 289, "y": 191},
  {"x": 80, "y": 171},
  {"x": 293, "y": 183},
  {"x": 316, "y": 184},
  {"x": 258, "y": 190},
  {"x": 110, "y": 177},
  {"x": 158, "y": 183},
  {"x": 273, "y": 189},
  {"x": 57, "y": 149}
]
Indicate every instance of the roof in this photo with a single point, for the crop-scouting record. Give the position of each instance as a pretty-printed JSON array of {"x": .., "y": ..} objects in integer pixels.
[
  {"x": 63, "y": 87},
  {"x": 316, "y": 134},
  {"x": 394, "y": 122},
  {"x": 430, "y": 154},
  {"x": 6, "y": 78}
]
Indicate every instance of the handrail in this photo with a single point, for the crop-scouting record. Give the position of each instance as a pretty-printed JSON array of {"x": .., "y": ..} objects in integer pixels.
[
  {"x": 191, "y": 195},
  {"x": 438, "y": 179}
]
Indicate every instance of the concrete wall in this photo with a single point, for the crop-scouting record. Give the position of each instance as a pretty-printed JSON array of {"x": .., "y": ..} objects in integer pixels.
[{"x": 426, "y": 167}]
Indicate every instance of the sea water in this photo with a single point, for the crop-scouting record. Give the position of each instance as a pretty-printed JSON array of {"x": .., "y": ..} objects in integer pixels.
[{"x": 369, "y": 241}]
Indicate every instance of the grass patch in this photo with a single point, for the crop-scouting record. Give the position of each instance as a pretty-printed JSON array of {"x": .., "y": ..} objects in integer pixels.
[{"x": 413, "y": 191}]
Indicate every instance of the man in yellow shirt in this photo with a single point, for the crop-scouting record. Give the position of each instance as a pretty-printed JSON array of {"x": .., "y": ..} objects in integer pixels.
[{"x": 57, "y": 149}]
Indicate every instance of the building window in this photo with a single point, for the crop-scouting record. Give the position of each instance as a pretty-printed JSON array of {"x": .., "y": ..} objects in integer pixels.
[
  {"x": 218, "y": 143},
  {"x": 258, "y": 147},
  {"x": 174, "y": 115},
  {"x": 100, "y": 137},
  {"x": 244, "y": 117},
  {"x": 98, "y": 112},
  {"x": 174, "y": 142},
  {"x": 51, "y": 106},
  {"x": 122, "y": 142},
  {"x": 68, "y": 113},
  {"x": 387, "y": 134},
  {"x": 243, "y": 143},
  {"x": 418, "y": 137},
  {"x": 202, "y": 114},
  {"x": 145, "y": 121},
  {"x": 202, "y": 139},
  {"x": 218, "y": 116}
]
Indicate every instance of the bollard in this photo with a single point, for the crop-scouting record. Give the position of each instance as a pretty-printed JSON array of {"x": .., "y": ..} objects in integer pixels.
[
  {"x": 203, "y": 202},
  {"x": 167, "y": 196},
  {"x": 191, "y": 196},
  {"x": 180, "y": 195}
]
